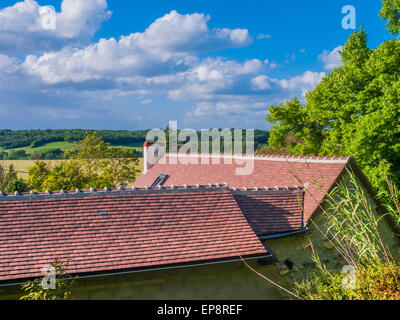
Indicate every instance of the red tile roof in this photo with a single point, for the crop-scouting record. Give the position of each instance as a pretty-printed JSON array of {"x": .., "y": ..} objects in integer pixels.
[
  {"x": 269, "y": 171},
  {"x": 141, "y": 229},
  {"x": 272, "y": 213}
]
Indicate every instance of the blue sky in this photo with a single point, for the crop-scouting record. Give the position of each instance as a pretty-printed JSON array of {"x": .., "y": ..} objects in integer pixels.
[{"x": 138, "y": 64}]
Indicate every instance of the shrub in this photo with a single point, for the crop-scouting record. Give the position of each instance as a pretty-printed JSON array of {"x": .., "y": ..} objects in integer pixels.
[
  {"x": 63, "y": 285},
  {"x": 19, "y": 185}
]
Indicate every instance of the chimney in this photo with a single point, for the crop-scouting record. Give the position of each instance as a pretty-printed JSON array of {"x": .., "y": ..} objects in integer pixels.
[{"x": 152, "y": 152}]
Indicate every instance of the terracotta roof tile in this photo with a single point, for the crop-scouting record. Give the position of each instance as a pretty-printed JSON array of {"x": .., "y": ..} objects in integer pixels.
[
  {"x": 140, "y": 230},
  {"x": 269, "y": 171},
  {"x": 272, "y": 213}
]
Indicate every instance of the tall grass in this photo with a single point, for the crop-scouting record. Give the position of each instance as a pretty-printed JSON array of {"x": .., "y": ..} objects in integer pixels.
[{"x": 353, "y": 228}]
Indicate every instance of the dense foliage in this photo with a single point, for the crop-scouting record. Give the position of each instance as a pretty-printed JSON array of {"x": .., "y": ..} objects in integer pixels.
[
  {"x": 355, "y": 110},
  {"x": 391, "y": 12},
  {"x": 9, "y": 181},
  {"x": 93, "y": 164}
]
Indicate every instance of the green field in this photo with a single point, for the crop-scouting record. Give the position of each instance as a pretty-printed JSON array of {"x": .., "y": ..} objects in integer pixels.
[
  {"x": 64, "y": 145},
  {"x": 22, "y": 166}
]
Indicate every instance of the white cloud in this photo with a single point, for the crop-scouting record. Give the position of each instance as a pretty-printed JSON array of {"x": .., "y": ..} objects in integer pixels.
[
  {"x": 7, "y": 64},
  {"x": 241, "y": 97},
  {"x": 188, "y": 33},
  {"x": 79, "y": 17},
  {"x": 305, "y": 82},
  {"x": 231, "y": 108},
  {"x": 261, "y": 83},
  {"x": 163, "y": 62},
  {"x": 331, "y": 59},
  {"x": 22, "y": 32},
  {"x": 215, "y": 76},
  {"x": 168, "y": 45},
  {"x": 250, "y": 66}
]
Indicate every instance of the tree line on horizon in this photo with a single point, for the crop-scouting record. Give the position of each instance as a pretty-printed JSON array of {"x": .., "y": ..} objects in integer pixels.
[{"x": 10, "y": 140}]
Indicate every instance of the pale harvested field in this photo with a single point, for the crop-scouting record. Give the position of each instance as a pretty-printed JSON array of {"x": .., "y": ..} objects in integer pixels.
[{"x": 21, "y": 166}]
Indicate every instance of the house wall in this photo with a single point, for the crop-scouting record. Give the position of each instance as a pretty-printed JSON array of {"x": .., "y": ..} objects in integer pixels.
[
  {"x": 218, "y": 281},
  {"x": 299, "y": 248}
]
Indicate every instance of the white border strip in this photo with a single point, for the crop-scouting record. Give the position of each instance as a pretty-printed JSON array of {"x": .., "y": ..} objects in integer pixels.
[{"x": 303, "y": 159}]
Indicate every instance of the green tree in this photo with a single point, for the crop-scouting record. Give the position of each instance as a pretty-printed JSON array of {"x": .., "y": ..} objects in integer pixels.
[
  {"x": 355, "y": 110},
  {"x": 90, "y": 153},
  {"x": 7, "y": 176},
  {"x": 19, "y": 185},
  {"x": 93, "y": 164},
  {"x": 391, "y": 12},
  {"x": 120, "y": 165},
  {"x": 67, "y": 175},
  {"x": 37, "y": 174}
]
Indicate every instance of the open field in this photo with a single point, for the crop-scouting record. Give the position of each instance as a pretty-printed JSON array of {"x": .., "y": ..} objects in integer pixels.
[
  {"x": 22, "y": 166},
  {"x": 64, "y": 145}
]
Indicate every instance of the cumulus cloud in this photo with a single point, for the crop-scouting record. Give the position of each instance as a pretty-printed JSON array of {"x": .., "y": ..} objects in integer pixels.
[
  {"x": 305, "y": 82},
  {"x": 261, "y": 83},
  {"x": 232, "y": 108},
  {"x": 239, "y": 99},
  {"x": 331, "y": 59},
  {"x": 7, "y": 64},
  {"x": 216, "y": 76},
  {"x": 188, "y": 33},
  {"x": 168, "y": 45},
  {"x": 22, "y": 28},
  {"x": 103, "y": 80}
]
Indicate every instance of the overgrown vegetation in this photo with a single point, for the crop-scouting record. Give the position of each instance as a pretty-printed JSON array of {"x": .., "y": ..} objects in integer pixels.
[
  {"x": 43, "y": 289},
  {"x": 355, "y": 231},
  {"x": 373, "y": 282}
]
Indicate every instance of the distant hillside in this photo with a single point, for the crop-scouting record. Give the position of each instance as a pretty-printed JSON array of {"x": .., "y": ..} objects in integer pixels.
[
  {"x": 35, "y": 138},
  {"x": 52, "y": 143}
]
